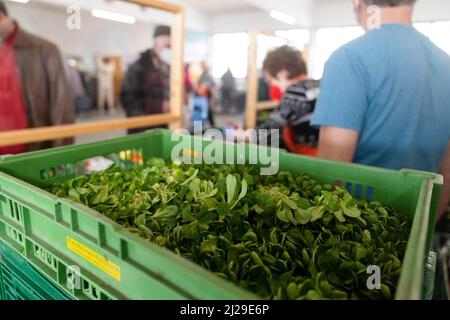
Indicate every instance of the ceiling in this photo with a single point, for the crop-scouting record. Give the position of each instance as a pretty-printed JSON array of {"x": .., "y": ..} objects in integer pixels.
[{"x": 221, "y": 6}]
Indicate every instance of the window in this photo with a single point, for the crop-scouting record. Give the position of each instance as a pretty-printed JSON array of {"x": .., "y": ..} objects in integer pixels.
[
  {"x": 437, "y": 32},
  {"x": 298, "y": 38},
  {"x": 424, "y": 27},
  {"x": 329, "y": 40},
  {"x": 265, "y": 44},
  {"x": 230, "y": 50}
]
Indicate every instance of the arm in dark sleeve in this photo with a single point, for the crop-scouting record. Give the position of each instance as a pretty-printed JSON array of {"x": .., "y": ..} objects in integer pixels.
[
  {"x": 278, "y": 120},
  {"x": 132, "y": 94},
  {"x": 293, "y": 107},
  {"x": 165, "y": 74}
]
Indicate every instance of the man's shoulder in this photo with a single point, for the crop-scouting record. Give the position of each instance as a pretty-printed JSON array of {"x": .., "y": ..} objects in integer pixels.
[
  {"x": 439, "y": 55},
  {"x": 144, "y": 60},
  {"x": 356, "y": 48},
  {"x": 37, "y": 42}
]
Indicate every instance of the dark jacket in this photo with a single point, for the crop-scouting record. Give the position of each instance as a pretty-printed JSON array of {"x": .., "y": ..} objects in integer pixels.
[
  {"x": 296, "y": 110},
  {"x": 146, "y": 86},
  {"x": 47, "y": 93}
]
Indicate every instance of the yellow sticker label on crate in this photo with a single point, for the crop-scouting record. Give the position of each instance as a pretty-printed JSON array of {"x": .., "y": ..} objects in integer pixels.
[{"x": 94, "y": 258}]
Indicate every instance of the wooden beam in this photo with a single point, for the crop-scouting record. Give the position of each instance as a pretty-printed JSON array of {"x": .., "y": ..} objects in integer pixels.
[
  {"x": 158, "y": 5},
  {"x": 305, "y": 53},
  {"x": 252, "y": 84},
  {"x": 177, "y": 90},
  {"x": 267, "y": 105},
  {"x": 50, "y": 133}
]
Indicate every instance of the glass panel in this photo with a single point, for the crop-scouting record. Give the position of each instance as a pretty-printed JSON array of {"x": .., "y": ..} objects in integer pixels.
[{"x": 224, "y": 57}]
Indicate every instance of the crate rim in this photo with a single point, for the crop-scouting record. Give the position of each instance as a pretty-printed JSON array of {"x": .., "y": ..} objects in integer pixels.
[
  {"x": 428, "y": 179},
  {"x": 438, "y": 178}
]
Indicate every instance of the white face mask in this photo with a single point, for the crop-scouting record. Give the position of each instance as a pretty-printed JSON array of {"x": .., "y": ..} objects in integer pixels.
[
  {"x": 281, "y": 83},
  {"x": 166, "y": 55}
]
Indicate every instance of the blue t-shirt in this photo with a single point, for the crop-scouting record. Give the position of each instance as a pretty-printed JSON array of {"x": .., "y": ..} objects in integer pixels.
[{"x": 391, "y": 85}]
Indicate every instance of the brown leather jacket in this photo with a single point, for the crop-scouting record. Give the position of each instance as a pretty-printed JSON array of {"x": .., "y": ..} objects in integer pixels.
[{"x": 47, "y": 93}]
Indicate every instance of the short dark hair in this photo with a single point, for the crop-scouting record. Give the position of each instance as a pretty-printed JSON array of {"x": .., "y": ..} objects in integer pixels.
[
  {"x": 285, "y": 58},
  {"x": 161, "y": 31},
  {"x": 3, "y": 8},
  {"x": 390, "y": 3}
]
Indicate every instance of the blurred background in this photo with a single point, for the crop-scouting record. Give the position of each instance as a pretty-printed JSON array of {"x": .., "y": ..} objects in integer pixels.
[{"x": 112, "y": 35}]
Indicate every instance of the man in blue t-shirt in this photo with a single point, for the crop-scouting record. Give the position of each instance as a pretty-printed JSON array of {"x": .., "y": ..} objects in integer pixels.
[{"x": 385, "y": 97}]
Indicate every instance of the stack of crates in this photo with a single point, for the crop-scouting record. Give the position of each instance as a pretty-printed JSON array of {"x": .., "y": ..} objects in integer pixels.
[
  {"x": 69, "y": 243},
  {"x": 20, "y": 281}
]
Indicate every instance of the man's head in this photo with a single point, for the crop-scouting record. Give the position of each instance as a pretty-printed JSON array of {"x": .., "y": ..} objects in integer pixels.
[
  {"x": 370, "y": 13},
  {"x": 3, "y": 9},
  {"x": 6, "y": 23},
  {"x": 162, "y": 38},
  {"x": 284, "y": 66}
]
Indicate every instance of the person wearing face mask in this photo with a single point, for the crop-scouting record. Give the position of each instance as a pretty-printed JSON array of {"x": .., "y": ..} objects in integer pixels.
[
  {"x": 146, "y": 85},
  {"x": 286, "y": 69},
  {"x": 34, "y": 88},
  {"x": 385, "y": 100}
]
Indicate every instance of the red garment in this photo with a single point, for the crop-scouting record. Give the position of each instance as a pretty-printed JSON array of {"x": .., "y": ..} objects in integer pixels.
[
  {"x": 275, "y": 93},
  {"x": 289, "y": 140},
  {"x": 187, "y": 81},
  {"x": 12, "y": 107}
]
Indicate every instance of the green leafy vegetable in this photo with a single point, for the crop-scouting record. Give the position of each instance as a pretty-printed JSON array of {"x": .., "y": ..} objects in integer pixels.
[{"x": 281, "y": 237}]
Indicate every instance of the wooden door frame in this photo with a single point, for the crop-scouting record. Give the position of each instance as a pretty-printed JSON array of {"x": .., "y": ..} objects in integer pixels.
[
  {"x": 174, "y": 118},
  {"x": 253, "y": 106},
  {"x": 118, "y": 73}
]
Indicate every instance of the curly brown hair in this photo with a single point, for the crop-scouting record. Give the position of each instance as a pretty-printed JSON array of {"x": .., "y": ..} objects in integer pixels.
[{"x": 285, "y": 58}]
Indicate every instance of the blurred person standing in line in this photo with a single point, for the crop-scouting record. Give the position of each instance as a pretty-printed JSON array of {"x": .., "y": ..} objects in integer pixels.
[
  {"x": 34, "y": 82},
  {"x": 188, "y": 85},
  {"x": 286, "y": 69},
  {"x": 205, "y": 88},
  {"x": 106, "y": 70},
  {"x": 146, "y": 85},
  {"x": 227, "y": 90},
  {"x": 81, "y": 101}
]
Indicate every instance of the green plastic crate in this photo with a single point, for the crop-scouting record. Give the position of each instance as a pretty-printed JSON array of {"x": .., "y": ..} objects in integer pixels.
[
  {"x": 20, "y": 281},
  {"x": 55, "y": 235}
]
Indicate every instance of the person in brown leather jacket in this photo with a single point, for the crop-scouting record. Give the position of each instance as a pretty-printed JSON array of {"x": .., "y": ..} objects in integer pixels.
[{"x": 47, "y": 95}]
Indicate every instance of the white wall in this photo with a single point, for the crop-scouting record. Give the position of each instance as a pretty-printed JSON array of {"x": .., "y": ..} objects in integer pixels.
[
  {"x": 245, "y": 21},
  {"x": 432, "y": 10},
  {"x": 95, "y": 37},
  {"x": 335, "y": 13},
  {"x": 102, "y": 36},
  {"x": 195, "y": 19},
  {"x": 301, "y": 10}
]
